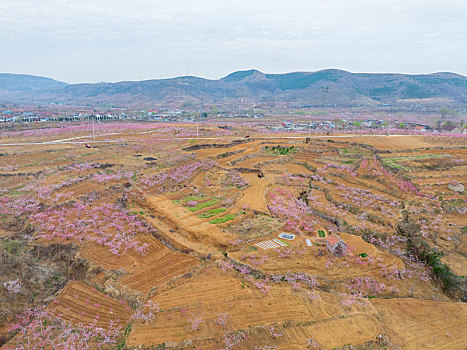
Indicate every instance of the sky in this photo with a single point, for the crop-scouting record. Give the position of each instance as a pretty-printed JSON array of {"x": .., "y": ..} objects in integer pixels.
[{"x": 113, "y": 40}]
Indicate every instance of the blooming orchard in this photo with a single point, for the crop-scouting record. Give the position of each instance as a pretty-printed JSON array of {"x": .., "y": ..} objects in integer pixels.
[
  {"x": 298, "y": 214},
  {"x": 40, "y": 328},
  {"x": 105, "y": 224}
]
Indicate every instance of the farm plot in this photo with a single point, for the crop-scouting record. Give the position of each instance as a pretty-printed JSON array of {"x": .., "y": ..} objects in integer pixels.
[
  {"x": 81, "y": 189},
  {"x": 333, "y": 333},
  {"x": 254, "y": 197},
  {"x": 457, "y": 263},
  {"x": 103, "y": 257},
  {"x": 29, "y": 162},
  {"x": 176, "y": 326},
  {"x": 80, "y": 302},
  {"x": 290, "y": 315},
  {"x": 202, "y": 289},
  {"x": 424, "y": 324},
  {"x": 186, "y": 226},
  {"x": 300, "y": 258},
  {"x": 159, "y": 269},
  {"x": 253, "y": 162},
  {"x": 391, "y": 143}
]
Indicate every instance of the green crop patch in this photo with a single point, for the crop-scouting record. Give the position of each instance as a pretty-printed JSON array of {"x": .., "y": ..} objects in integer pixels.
[
  {"x": 203, "y": 205},
  {"x": 222, "y": 219},
  {"x": 212, "y": 212},
  {"x": 192, "y": 198},
  {"x": 280, "y": 150}
]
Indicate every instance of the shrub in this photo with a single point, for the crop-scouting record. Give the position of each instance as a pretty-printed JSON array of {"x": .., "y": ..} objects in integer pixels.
[{"x": 440, "y": 270}]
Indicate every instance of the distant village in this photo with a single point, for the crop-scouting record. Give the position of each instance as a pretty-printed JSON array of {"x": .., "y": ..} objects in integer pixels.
[{"x": 270, "y": 122}]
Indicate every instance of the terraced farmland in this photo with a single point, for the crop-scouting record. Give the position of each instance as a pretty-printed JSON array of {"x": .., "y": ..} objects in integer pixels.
[{"x": 178, "y": 242}]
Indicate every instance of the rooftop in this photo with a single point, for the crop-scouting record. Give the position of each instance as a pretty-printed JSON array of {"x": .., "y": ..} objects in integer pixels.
[{"x": 332, "y": 240}]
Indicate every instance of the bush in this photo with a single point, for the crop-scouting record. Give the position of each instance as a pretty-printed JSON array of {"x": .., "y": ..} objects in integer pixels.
[{"x": 440, "y": 270}]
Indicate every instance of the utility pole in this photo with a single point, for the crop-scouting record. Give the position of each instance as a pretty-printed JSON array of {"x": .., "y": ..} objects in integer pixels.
[
  {"x": 309, "y": 129},
  {"x": 93, "y": 133},
  {"x": 197, "y": 130},
  {"x": 389, "y": 127}
]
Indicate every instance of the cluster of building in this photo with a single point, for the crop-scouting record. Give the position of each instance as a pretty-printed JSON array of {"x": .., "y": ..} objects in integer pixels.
[
  {"x": 8, "y": 116},
  {"x": 365, "y": 124},
  {"x": 180, "y": 115}
]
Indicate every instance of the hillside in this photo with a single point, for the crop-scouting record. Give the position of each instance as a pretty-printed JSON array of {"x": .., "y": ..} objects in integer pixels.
[
  {"x": 324, "y": 87},
  {"x": 147, "y": 238},
  {"x": 23, "y": 82}
]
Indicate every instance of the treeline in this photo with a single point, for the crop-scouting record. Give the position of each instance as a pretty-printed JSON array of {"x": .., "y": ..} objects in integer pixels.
[{"x": 455, "y": 286}]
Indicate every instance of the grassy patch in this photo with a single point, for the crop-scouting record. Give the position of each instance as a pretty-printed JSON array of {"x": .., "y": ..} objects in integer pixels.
[
  {"x": 279, "y": 150},
  {"x": 192, "y": 198},
  {"x": 212, "y": 212},
  {"x": 222, "y": 219},
  {"x": 393, "y": 163},
  {"x": 354, "y": 151},
  {"x": 13, "y": 246},
  {"x": 189, "y": 199},
  {"x": 18, "y": 188},
  {"x": 250, "y": 249},
  {"x": 203, "y": 205},
  {"x": 343, "y": 151},
  {"x": 87, "y": 154},
  {"x": 349, "y": 161}
]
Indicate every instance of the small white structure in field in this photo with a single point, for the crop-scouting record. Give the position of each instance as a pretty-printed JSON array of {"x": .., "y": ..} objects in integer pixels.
[
  {"x": 285, "y": 235},
  {"x": 336, "y": 245}
]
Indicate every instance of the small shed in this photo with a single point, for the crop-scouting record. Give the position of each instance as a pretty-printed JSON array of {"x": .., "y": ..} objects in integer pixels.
[{"x": 336, "y": 245}]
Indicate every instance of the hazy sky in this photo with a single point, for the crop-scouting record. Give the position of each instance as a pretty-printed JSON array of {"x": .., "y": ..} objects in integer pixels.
[{"x": 111, "y": 40}]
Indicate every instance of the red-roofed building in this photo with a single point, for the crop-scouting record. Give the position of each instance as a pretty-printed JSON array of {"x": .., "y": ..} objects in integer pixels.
[{"x": 336, "y": 245}]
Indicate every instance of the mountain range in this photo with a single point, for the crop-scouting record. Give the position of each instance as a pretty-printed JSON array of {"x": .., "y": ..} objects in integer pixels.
[{"x": 325, "y": 87}]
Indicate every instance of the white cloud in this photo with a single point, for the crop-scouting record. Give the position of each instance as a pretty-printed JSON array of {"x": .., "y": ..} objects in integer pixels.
[{"x": 86, "y": 40}]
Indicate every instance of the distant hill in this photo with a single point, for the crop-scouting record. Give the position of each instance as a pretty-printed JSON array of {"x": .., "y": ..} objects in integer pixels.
[
  {"x": 23, "y": 82},
  {"x": 325, "y": 87}
]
